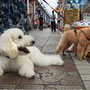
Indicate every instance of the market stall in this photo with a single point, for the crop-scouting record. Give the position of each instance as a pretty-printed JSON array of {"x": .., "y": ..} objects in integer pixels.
[{"x": 13, "y": 13}]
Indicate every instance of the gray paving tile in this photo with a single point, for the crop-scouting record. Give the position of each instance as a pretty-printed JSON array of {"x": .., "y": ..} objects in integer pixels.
[
  {"x": 87, "y": 84},
  {"x": 59, "y": 87},
  {"x": 85, "y": 77},
  {"x": 84, "y": 72},
  {"x": 5, "y": 87},
  {"x": 83, "y": 67}
]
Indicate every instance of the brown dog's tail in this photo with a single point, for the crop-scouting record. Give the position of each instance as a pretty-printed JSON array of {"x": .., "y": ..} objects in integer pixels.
[{"x": 67, "y": 27}]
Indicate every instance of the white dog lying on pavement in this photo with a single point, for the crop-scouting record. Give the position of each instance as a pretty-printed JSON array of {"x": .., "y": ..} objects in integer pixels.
[{"x": 14, "y": 56}]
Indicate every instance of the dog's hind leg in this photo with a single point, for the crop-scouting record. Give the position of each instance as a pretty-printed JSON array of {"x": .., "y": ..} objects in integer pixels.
[
  {"x": 66, "y": 47},
  {"x": 59, "y": 48},
  {"x": 61, "y": 44}
]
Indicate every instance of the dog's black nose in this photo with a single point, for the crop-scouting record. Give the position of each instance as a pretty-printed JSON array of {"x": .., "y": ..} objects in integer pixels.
[{"x": 33, "y": 42}]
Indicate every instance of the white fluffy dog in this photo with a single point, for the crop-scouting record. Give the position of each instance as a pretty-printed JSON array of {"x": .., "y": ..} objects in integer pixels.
[{"x": 14, "y": 56}]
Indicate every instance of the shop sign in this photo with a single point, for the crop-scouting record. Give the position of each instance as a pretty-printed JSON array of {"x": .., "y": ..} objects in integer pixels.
[{"x": 86, "y": 16}]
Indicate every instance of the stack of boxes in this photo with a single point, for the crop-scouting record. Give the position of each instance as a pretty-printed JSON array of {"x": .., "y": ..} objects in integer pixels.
[{"x": 71, "y": 16}]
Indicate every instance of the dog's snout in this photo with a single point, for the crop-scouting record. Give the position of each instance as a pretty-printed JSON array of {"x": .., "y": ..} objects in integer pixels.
[{"x": 33, "y": 42}]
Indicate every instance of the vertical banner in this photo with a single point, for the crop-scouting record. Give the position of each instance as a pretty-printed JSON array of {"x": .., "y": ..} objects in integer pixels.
[
  {"x": 34, "y": 12},
  {"x": 61, "y": 5}
]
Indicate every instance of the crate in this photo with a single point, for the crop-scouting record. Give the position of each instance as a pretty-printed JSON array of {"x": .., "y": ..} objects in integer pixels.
[{"x": 71, "y": 15}]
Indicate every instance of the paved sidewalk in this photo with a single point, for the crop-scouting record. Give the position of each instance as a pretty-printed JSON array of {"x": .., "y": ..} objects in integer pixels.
[{"x": 75, "y": 75}]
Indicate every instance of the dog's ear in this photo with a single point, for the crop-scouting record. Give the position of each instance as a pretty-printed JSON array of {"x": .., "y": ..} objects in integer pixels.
[{"x": 7, "y": 46}]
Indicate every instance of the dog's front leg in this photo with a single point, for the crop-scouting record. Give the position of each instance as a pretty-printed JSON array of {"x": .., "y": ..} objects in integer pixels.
[
  {"x": 26, "y": 68},
  {"x": 80, "y": 51},
  {"x": 85, "y": 52},
  {"x": 3, "y": 64},
  {"x": 1, "y": 72}
]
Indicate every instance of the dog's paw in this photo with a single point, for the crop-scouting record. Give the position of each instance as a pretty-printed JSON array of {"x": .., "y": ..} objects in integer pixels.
[
  {"x": 57, "y": 51},
  {"x": 27, "y": 74},
  {"x": 85, "y": 58},
  {"x": 58, "y": 62},
  {"x": 30, "y": 74},
  {"x": 1, "y": 72}
]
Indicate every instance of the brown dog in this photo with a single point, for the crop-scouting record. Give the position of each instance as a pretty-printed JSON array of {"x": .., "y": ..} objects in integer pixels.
[{"x": 70, "y": 37}]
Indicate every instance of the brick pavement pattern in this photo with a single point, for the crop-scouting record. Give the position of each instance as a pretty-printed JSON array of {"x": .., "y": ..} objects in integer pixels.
[{"x": 50, "y": 77}]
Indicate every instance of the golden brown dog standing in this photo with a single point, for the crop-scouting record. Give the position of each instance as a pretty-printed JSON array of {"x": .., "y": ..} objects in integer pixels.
[{"x": 69, "y": 37}]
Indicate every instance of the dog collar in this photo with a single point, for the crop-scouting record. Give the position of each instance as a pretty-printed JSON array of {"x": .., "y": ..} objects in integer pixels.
[{"x": 5, "y": 56}]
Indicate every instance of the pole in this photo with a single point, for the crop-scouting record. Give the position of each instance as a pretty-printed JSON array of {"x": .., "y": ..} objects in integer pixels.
[
  {"x": 7, "y": 16},
  {"x": 28, "y": 7}
]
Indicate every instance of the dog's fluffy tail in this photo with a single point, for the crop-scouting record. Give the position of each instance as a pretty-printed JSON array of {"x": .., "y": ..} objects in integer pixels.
[
  {"x": 66, "y": 27},
  {"x": 44, "y": 60}
]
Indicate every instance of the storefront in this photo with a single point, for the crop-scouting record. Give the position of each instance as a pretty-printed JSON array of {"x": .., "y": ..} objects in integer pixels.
[
  {"x": 31, "y": 14},
  {"x": 40, "y": 10},
  {"x": 13, "y": 14},
  {"x": 60, "y": 10}
]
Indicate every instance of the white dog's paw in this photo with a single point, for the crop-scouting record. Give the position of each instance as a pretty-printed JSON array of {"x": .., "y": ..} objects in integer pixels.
[
  {"x": 27, "y": 74},
  {"x": 30, "y": 74},
  {"x": 1, "y": 72},
  {"x": 58, "y": 62}
]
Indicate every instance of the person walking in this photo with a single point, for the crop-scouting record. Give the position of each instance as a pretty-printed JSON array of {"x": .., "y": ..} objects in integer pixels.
[
  {"x": 53, "y": 24},
  {"x": 41, "y": 22}
]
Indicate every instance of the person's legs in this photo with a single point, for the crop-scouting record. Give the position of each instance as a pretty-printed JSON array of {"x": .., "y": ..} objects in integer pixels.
[
  {"x": 54, "y": 26},
  {"x": 41, "y": 25},
  {"x": 51, "y": 26}
]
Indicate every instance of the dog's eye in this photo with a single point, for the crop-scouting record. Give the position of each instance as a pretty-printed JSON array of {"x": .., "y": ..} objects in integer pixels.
[{"x": 19, "y": 37}]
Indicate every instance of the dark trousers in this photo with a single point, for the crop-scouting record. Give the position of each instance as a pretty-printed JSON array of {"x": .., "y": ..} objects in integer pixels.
[
  {"x": 41, "y": 27},
  {"x": 53, "y": 26}
]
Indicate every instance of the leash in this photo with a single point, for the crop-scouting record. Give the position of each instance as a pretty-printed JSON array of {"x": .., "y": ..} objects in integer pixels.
[
  {"x": 75, "y": 32},
  {"x": 83, "y": 33},
  {"x": 56, "y": 12}
]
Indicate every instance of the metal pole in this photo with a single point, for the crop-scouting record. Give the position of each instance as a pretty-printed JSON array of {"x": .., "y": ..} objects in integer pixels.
[
  {"x": 28, "y": 7},
  {"x": 7, "y": 16}
]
